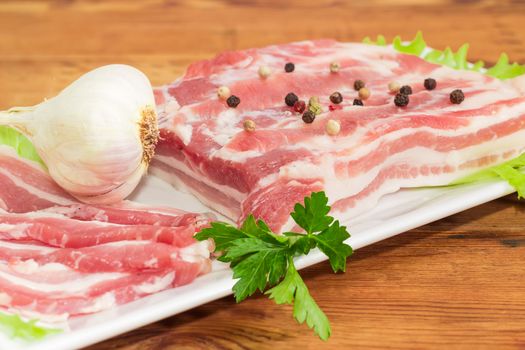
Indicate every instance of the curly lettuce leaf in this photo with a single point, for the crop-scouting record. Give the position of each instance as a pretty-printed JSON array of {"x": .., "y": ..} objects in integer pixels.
[
  {"x": 381, "y": 41},
  {"x": 414, "y": 47},
  {"x": 508, "y": 171},
  {"x": 23, "y": 147},
  {"x": 15, "y": 327},
  {"x": 504, "y": 70},
  {"x": 447, "y": 57}
]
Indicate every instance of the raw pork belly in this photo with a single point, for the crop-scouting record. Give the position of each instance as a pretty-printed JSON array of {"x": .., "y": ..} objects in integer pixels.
[
  {"x": 68, "y": 258},
  {"x": 380, "y": 149}
]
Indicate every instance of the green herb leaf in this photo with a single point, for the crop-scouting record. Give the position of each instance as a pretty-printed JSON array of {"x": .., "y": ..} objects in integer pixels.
[
  {"x": 260, "y": 259},
  {"x": 223, "y": 234},
  {"x": 260, "y": 230},
  {"x": 15, "y": 327},
  {"x": 331, "y": 243},
  {"x": 293, "y": 290},
  {"x": 257, "y": 270},
  {"x": 312, "y": 217}
]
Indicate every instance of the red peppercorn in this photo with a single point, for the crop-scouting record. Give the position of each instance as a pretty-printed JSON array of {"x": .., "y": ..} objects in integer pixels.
[
  {"x": 334, "y": 107},
  {"x": 299, "y": 106}
]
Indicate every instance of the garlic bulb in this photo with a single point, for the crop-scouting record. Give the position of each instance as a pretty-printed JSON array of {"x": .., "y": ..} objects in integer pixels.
[{"x": 97, "y": 136}]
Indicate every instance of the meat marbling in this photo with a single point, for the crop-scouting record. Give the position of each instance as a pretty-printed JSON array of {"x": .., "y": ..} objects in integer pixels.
[{"x": 380, "y": 149}]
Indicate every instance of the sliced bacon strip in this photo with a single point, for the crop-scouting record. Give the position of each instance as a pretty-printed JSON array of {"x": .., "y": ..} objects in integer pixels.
[
  {"x": 60, "y": 258},
  {"x": 124, "y": 256}
]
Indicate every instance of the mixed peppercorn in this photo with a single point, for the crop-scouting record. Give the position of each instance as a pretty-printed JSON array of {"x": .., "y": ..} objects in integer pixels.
[
  {"x": 233, "y": 101},
  {"x": 289, "y": 67},
  {"x": 313, "y": 108},
  {"x": 290, "y": 99},
  {"x": 457, "y": 96}
]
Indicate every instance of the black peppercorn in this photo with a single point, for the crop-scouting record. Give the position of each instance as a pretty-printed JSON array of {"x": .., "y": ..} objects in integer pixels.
[
  {"x": 358, "y": 85},
  {"x": 430, "y": 84},
  {"x": 233, "y": 101},
  {"x": 289, "y": 67},
  {"x": 336, "y": 98},
  {"x": 401, "y": 100},
  {"x": 308, "y": 117},
  {"x": 357, "y": 102},
  {"x": 457, "y": 96},
  {"x": 405, "y": 90},
  {"x": 290, "y": 99}
]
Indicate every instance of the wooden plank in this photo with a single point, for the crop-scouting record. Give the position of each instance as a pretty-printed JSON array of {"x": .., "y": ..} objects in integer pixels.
[{"x": 456, "y": 283}]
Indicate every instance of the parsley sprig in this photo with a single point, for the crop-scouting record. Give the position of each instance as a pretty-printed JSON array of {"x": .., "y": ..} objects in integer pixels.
[{"x": 260, "y": 259}]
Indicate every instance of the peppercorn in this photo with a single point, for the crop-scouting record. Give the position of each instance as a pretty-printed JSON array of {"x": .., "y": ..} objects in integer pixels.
[
  {"x": 233, "y": 101},
  {"x": 223, "y": 92},
  {"x": 289, "y": 67},
  {"x": 405, "y": 90},
  {"x": 334, "y": 67},
  {"x": 364, "y": 93},
  {"x": 358, "y": 85},
  {"x": 394, "y": 87},
  {"x": 290, "y": 99},
  {"x": 264, "y": 72},
  {"x": 249, "y": 125},
  {"x": 430, "y": 84},
  {"x": 308, "y": 117},
  {"x": 401, "y": 100},
  {"x": 314, "y": 105},
  {"x": 299, "y": 106},
  {"x": 314, "y": 100},
  {"x": 357, "y": 102},
  {"x": 332, "y": 127},
  {"x": 457, "y": 96},
  {"x": 336, "y": 98}
]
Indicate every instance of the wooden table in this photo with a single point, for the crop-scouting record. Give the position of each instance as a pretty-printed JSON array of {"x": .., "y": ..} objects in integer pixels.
[{"x": 456, "y": 283}]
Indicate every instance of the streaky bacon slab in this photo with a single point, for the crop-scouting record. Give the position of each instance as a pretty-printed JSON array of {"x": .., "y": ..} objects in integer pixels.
[{"x": 380, "y": 149}]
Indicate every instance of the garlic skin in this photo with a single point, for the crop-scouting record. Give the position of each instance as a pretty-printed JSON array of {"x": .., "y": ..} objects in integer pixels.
[{"x": 97, "y": 136}]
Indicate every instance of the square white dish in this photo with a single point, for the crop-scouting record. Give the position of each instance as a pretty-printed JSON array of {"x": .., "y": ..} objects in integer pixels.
[{"x": 396, "y": 213}]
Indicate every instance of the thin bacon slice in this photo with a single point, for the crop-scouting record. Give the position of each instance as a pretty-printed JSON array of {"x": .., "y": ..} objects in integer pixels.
[{"x": 60, "y": 258}]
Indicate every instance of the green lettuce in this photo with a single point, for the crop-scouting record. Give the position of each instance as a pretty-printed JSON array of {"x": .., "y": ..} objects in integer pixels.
[
  {"x": 15, "y": 327},
  {"x": 23, "y": 147},
  {"x": 447, "y": 57},
  {"x": 509, "y": 171}
]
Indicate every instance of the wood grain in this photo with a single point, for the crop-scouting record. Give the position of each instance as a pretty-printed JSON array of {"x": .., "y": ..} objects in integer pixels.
[{"x": 454, "y": 284}]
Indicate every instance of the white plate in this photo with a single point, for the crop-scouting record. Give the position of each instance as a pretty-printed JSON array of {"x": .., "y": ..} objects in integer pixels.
[{"x": 396, "y": 213}]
